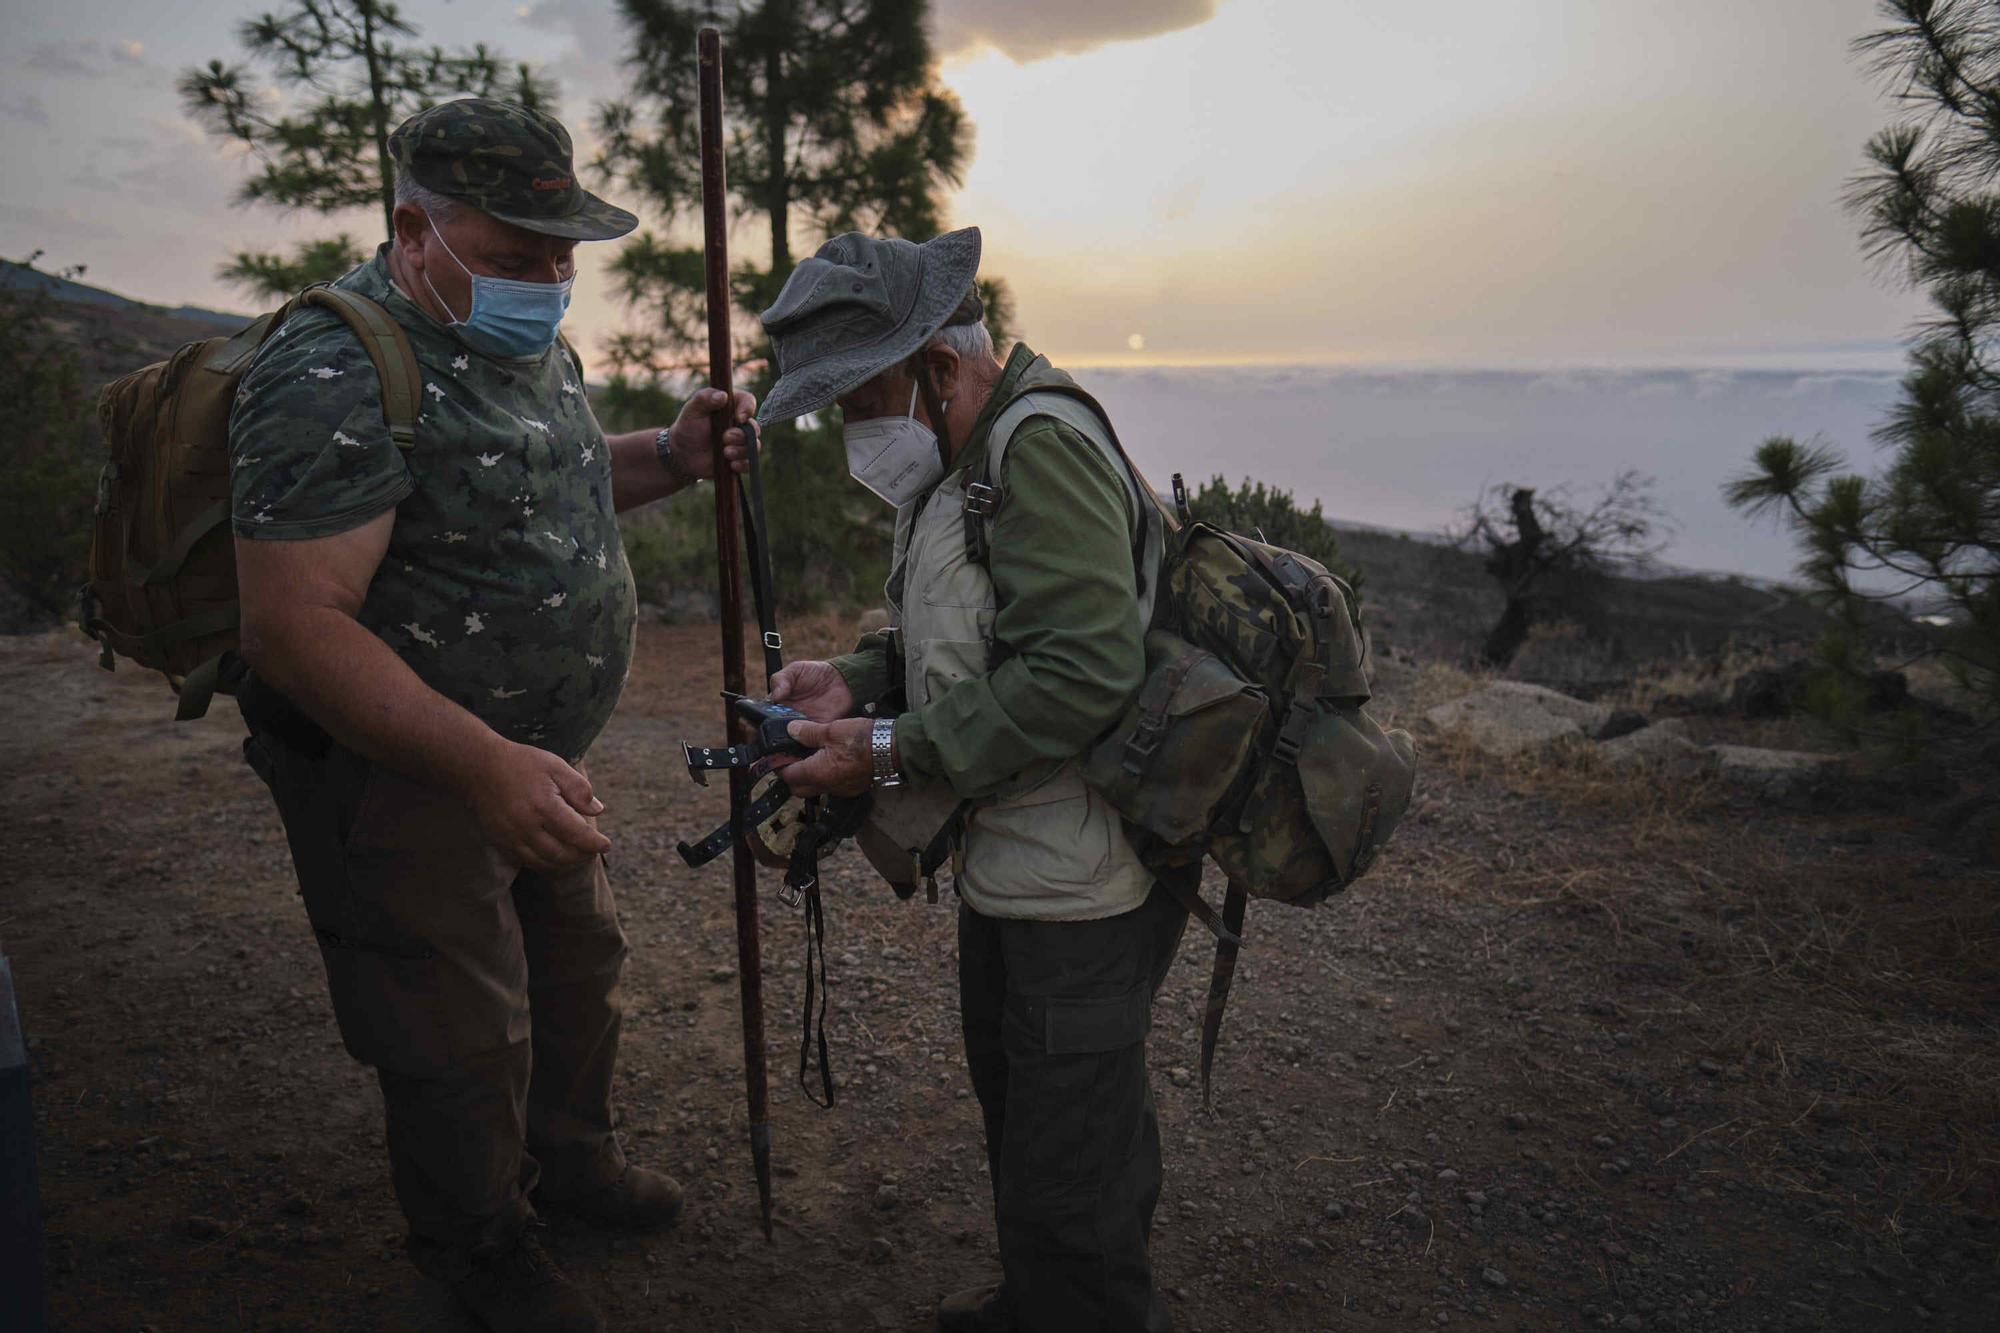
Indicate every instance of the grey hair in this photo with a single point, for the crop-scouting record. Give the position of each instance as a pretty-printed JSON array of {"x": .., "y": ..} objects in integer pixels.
[
  {"x": 437, "y": 207},
  {"x": 970, "y": 341}
]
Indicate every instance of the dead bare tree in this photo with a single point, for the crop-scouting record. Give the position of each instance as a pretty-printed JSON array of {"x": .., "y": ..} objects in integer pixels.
[{"x": 1545, "y": 549}]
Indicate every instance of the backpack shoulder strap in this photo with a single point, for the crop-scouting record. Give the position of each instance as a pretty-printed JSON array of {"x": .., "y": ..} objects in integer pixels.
[
  {"x": 1080, "y": 412},
  {"x": 389, "y": 348}
]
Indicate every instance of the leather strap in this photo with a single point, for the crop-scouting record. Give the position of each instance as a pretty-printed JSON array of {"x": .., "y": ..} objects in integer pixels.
[
  {"x": 1227, "y": 941},
  {"x": 724, "y": 837},
  {"x": 757, "y": 547}
]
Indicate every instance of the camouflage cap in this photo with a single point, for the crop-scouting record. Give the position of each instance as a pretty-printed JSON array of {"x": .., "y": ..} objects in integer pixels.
[{"x": 509, "y": 162}]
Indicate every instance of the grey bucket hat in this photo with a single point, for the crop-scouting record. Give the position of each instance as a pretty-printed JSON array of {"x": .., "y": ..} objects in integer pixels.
[{"x": 860, "y": 305}]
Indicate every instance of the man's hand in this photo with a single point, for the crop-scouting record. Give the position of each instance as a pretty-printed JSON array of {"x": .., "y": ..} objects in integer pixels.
[
  {"x": 815, "y": 689},
  {"x": 692, "y": 434},
  {"x": 535, "y": 808},
  {"x": 843, "y": 761}
]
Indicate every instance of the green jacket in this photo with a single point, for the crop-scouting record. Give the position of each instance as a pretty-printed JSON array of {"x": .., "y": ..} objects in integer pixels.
[{"x": 1071, "y": 651}]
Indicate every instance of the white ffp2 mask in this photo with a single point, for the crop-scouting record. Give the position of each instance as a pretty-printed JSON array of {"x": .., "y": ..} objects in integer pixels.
[{"x": 895, "y": 457}]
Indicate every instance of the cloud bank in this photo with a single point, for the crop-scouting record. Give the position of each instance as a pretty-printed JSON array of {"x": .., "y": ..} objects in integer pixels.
[{"x": 1025, "y": 30}]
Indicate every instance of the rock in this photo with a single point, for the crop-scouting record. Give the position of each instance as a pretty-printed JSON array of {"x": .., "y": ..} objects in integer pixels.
[
  {"x": 1770, "y": 691},
  {"x": 887, "y": 1197},
  {"x": 1773, "y": 773},
  {"x": 1334, "y": 1212},
  {"x": 1622, "y": 722},
  {"x": 1493, "y": 1277},
  {"x": 202, "y": 1228},
  {"x": 880, "y": 1251},
  {"x": 1510, "y": 717},
  {"x": 1663, "y": 746}
]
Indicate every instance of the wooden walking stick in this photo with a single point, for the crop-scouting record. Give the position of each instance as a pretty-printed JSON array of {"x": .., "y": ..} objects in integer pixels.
[{"x": 749, "y": 965}]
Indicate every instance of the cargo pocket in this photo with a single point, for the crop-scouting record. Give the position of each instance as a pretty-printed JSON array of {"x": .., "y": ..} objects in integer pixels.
[
  {"x": 1074, "y": 1099},
  {"x": 1356, "y": 779},
  {"x": 1183, "y": 747}
]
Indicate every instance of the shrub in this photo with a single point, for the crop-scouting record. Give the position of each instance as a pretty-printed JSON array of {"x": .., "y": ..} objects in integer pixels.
[
  {"x": 48, "y": 454},
  {"x": 1273, "y": 517}
]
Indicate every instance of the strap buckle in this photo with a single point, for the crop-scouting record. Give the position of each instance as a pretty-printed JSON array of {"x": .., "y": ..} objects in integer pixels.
[
  {"x": 792, "y": 895},
  {"x": 981, "y": 500},
  {"x": 774, "y": 640},
  {"x": 1291, "y": 736},
  {"x": 1139, "y": 749}
]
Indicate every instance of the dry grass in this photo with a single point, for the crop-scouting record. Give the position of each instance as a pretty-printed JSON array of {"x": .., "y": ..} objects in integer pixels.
[{"x": 1850, "y": 992}]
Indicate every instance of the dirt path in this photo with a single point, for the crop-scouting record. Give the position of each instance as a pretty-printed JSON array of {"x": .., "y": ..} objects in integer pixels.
[{"x": 1572, "y": 1057}]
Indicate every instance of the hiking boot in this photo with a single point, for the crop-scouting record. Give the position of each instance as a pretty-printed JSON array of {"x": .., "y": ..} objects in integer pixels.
[
  {"x": 975, "y": 1310},
  {"x": 522, "y": 1291},
  {"x": 638, "y": 1198}
]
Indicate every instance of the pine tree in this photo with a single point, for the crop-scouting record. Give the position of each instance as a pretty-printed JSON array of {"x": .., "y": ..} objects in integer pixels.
[
  {"x": 837, "y": 121},
  {"x": 275, "y": 278},
  {"x": 1929, "y": 526},
  {"x": 355, "y": 72}
]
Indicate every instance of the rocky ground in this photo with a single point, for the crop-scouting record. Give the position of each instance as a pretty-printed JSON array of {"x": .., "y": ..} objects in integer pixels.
[{"x": 1591, "y": 1047}]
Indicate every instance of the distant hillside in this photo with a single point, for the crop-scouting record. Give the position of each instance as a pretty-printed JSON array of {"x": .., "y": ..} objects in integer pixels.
[
  {"x": 19, "y": 277},
  {"x": 114, "y": 334}
]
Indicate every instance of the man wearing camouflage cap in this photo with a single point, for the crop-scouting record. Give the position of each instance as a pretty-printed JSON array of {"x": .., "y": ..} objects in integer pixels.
[
  {"x": 1025, "y": 560},
  {"x": 437, "y": 633}
]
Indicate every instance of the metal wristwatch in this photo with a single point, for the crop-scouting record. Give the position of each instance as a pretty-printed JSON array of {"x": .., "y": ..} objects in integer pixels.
[
  {"x": 663, "y": 447},
  {"x": 882, "y": 746}
]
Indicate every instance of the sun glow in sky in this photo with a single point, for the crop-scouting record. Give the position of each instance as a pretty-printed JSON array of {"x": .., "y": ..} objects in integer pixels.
[{"x": 1491, "y": 182}]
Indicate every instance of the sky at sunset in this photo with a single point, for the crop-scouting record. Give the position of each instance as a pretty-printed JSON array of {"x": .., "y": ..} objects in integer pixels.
[{"x": 1464, "y": 182}]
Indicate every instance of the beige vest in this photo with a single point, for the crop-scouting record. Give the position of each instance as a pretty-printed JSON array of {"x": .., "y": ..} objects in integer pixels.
[{"x": 1047, "y": 848}]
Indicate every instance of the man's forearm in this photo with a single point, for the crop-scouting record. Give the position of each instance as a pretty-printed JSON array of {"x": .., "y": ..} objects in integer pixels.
[
  {"x": 367, "y": 698},
  {"x": 637, "y": 478}
]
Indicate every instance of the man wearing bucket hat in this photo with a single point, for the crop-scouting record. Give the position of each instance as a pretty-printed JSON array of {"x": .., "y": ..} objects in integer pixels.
[
  {"x": 437, "y": 630},
  {"x": 1019, "y": 597}
]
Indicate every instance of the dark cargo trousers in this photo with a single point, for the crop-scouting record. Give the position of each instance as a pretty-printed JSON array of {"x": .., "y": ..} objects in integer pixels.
[
  {"x": 1055, "y": 1016},
  {"x": 485, "y": 996}
]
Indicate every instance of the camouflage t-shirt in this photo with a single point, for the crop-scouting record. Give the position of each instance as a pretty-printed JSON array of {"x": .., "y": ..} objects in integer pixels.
[{"x": 505, "y": 585}]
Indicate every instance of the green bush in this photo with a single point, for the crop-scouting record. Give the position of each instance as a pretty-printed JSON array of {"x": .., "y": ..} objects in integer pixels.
[
  {"x": 48, "y": 454},
  {"x": 830, "y": 539},
  {"x": 1273, "y": 517}
]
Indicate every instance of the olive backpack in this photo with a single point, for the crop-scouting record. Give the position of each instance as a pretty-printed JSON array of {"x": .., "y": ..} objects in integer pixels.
[
  {"x": 1249, "y": 743},
  {"x": 162, "y": 587}
]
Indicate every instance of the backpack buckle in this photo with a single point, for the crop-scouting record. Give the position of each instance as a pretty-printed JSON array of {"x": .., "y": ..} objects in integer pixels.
[
  {"x": 774, "y": 640},
  {"x": 1291, "y": 735},
  {"x": 981, "y": 500},
  {"x": 1139, "y": 749}
]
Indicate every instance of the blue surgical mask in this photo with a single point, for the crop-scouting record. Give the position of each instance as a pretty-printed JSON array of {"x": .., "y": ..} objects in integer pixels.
[{"x": 508, "y": 317}]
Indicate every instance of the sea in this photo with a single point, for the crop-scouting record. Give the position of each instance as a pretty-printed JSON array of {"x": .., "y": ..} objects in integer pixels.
[{"x": 1411, "y": 449}]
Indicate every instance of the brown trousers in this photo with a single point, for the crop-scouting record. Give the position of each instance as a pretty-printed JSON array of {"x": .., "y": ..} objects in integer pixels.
[{"x": 485, "y": 996}]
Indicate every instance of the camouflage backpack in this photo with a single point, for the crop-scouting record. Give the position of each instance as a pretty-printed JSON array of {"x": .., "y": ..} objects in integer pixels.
[
  {"x": 1249, "y": 742},
  {"x": 162, "y": 587}
]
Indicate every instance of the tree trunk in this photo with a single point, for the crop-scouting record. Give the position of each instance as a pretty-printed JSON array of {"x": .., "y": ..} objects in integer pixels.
[
  {"x": 777, "y": 109},
  {"x": 379, "y": 107},
  {"x": 1509, "y": 634}
]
